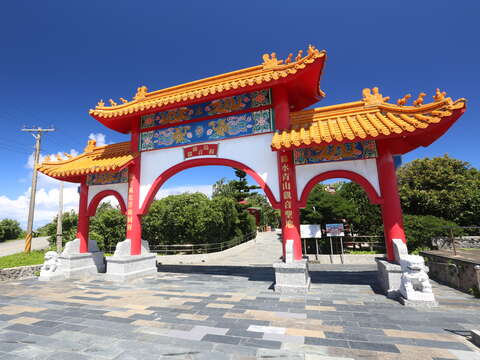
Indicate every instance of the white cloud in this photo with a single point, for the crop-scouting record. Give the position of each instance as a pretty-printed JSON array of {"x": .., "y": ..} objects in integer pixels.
[
  {"x": 99, "y": 138},
  {"x": 46, "y": 204},
  {"x": 205, "y": 189}
]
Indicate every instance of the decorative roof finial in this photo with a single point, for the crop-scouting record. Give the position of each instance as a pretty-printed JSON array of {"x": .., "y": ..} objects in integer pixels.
[
  {"x": 67, "y": 155},
  {"x": 439, "y": 96},
  {"x": 47, "y": 158},
  {"x": 59, "y": 157},
  {"x": 403, "y": 101},
  {"x": 373, "y": 99},
  {"x": 113, "y": 103},
  {"x": 100, "y": 103},
  {"x": 270, "y": 61},
  {"x": 91, "y": 145},
  {"x": 141, "y": 93},
  {"x": 311, "y": 49},
  {"x": 299, "y": 55},
  {"x": 123, "y": 100},
  {"x": 288, "y": 60},
  {"x": 419, "y": 100}
]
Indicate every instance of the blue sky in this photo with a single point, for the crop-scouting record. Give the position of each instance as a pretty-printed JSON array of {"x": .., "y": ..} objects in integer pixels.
[{"x": 59, "y": 58}]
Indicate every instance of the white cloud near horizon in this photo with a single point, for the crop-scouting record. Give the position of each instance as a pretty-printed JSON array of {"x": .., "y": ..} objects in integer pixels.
[{"x": 47, "y": 200}]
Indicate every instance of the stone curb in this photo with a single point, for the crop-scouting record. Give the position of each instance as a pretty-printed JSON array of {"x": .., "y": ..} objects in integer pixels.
[{"x": 19, "y": 272}]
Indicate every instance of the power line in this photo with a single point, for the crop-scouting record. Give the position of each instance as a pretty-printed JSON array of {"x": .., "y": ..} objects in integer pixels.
[{"x": 37, "y": 134}]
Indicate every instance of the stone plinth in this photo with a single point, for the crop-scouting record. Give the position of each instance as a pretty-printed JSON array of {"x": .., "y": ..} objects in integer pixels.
[
  {"x": 292, "y": 277},
  {"x": 123, "y": 267},
  {"x": 73, "y": 264},
  {"x": 389, "y": 275}
]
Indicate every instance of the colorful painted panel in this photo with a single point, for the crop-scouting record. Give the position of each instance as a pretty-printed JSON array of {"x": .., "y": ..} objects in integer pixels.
[
  {"x": 349, "y": 151},
  {"x": 257, "y": 122},
  {"x": 108, "y": 178},
  {"x": 200, "y": 150},
  {"x": 215, "y": 107}
]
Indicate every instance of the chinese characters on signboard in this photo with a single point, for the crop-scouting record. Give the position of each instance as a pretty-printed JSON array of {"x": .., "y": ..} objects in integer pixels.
[
  {"x": 286, "y": 189},
  {"x": 200, "y": 150},
  {"x": 130, "y": 205}
]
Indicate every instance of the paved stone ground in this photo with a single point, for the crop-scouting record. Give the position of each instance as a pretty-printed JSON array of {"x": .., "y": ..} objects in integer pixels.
[{"x": 229, "y": 311}]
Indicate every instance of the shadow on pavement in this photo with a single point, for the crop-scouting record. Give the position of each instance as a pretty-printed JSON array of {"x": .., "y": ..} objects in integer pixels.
[{"x": 355, "y": 276}]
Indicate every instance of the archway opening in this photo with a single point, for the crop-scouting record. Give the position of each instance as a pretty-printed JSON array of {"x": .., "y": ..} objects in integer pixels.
[
  {"x": 107, "y": 221},
  {"x": 341, "y": 216},
  {"x": 206, "y": 208}
]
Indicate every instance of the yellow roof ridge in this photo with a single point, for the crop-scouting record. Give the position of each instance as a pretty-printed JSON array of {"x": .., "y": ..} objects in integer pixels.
[
  {"x": 271, "y": 69},
  {"x": 95, "y": 159},
  {"x": 369, "y": 118}
]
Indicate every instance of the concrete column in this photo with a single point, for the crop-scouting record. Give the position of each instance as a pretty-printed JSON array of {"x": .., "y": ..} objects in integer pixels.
[
  {"x": 83, "y": 218},
  {"x": 134, "y": 219},
  {"x": 287, "y": 178},
  {"x": 391, "y": 209}
]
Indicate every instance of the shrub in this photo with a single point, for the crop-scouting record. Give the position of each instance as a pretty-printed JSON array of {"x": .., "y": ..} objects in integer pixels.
[
  {"x": 10, "y": 229},
  {"x": 420, "y": 229}
]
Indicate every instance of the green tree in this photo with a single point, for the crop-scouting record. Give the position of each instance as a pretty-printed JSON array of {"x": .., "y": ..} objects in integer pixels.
[
  {"x": 421, "y": 229},
  {"x": 367, "y": 219},
  {"x": 11, "y": 229},
  {"x": 69, "y": 228},
  {"x": 443, "y": 187},
  {"x": 107, "y": 227},
  {"x": 324, "y": 207},
  {"x": 184, "y": 219}
]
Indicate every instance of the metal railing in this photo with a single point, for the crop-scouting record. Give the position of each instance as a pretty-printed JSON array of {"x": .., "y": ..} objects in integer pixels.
[
  {"x": 342, "y": 244},
  {"x": 190, "y": 249}
]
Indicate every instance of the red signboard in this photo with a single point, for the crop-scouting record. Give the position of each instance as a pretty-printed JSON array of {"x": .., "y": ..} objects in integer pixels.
[{"x": 200, "y": 150}]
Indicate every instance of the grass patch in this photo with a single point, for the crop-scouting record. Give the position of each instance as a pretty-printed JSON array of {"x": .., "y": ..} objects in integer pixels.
[
  {"x": 361, "y": 252},
  {"x": 21, "y": 259}
]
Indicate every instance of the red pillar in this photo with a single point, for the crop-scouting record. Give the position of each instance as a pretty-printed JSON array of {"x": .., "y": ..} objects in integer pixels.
[
  {"x": 83, "y": 218},
  {"x": 391, "y": 209},
  {"x": 290, "y": 212},
  {"x": 134, "y": 220}
]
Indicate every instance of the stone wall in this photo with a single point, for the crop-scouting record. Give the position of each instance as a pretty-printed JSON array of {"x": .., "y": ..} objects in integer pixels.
[
  {"x": 458, "y": 273},
  {"x": 460, "y": 242},
  {"x": 20, "y": 272}
]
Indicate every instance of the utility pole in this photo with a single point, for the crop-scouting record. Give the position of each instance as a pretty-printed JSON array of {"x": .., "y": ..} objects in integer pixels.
[
  {"x": 59, "y": 219},
  {"x": 37, "y": 134}
]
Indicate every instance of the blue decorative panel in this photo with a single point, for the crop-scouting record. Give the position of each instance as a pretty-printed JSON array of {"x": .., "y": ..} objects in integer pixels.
[
  {"x": 257, "y": 122},
  {"x": 222, "y": 106},
  {"x": 337, "y": 152},
  {"x": 108, "y": 178}
]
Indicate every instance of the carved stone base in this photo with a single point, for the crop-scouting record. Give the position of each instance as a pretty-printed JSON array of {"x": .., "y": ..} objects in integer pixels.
[
  {"x": 122, "y": 266},
  {"x": 389, "y": 275},
  {"x": 292, "y": 278},
  {"x": 72, "y": 264},
  {"x": 82, "y": 265}
]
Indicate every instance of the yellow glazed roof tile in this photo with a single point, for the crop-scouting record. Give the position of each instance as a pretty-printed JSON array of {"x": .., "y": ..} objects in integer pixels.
[
  {"x": 371, "y": 117},
  {"x": 271, "y": 69},
  {"x": 93, "y": 160}
]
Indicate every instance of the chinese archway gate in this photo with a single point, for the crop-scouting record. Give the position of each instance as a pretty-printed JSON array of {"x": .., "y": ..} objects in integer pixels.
[{"x": 253, "y": 119}]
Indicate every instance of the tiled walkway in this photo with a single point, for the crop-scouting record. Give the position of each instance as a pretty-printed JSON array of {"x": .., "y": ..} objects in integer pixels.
[
  {"x": 229, "y": 312},
  {"x": 226, "y": 309}
]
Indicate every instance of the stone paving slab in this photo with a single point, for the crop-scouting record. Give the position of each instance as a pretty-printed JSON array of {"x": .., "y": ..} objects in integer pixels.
[{"x": 230, "y": 312}]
